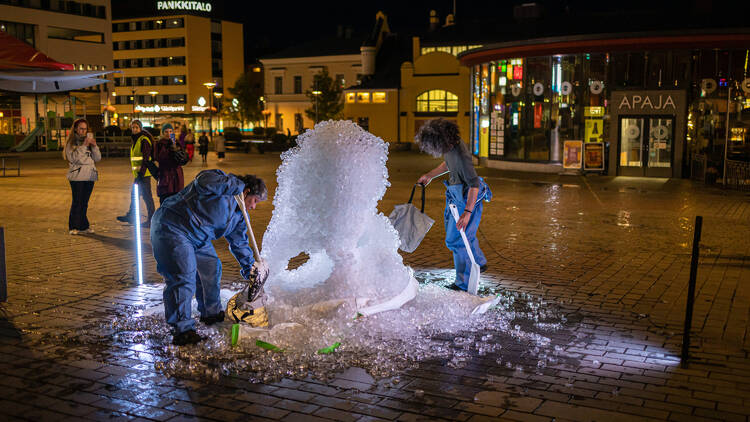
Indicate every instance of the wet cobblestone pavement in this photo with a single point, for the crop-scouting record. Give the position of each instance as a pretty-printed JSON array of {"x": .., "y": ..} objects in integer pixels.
[{"x": 608, "y": 257}]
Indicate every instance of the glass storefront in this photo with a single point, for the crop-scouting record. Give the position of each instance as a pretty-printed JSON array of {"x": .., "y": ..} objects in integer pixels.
[{"x": 525, "y": 108}]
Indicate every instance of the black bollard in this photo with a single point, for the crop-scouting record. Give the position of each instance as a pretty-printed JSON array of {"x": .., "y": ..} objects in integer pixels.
[
  {"x": 3, "y": 275},
  {"x": 691, "y": 292}
]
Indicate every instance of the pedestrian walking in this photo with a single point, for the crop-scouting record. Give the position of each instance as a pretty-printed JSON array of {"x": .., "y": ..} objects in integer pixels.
[
  {"x": 464, "y": 189},
  {"x": 203, "y": 147},
  {"x": 82, "y": 153},
  {"x": 190, "y": 144},
  {"x": 141, "y": 154},
  {"x": 171, "y": 178},
  {"x": 220, "y": 148},
  {"x": 181, "y": 234}
]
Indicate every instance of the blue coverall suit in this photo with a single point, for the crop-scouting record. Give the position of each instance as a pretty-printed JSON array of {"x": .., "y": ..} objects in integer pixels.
[
  {"x": 455, "y": 194},
  {"x": 181, "y": 233}
]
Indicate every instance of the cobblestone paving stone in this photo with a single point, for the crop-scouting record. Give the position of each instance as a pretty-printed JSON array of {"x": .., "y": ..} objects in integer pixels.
[{"x": 612, "y": 253}]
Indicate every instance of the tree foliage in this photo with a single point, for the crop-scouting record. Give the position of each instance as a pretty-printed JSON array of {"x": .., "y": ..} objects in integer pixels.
[
  {"x": 329, "y": 100},
  {"x": 247, "y": 108}
]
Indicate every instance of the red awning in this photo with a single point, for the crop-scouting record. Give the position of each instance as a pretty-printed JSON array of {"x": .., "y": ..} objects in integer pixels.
[{"x": 17, "y": 55}]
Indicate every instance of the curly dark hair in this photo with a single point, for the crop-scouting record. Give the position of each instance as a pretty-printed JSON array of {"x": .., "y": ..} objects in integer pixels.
[
  {"x": 254, "y": 186},
  {"x": 438, "y": 136}
]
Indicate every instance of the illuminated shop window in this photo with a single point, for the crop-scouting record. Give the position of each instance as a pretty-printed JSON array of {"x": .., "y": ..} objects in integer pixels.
[
  {"x": 426, "y": 50},
  {"x": 363, "y": 97},
  {"x": 378, "y": 97},
  {"x": 350, "y": 97},
  {"x": 437, "y": 101}
]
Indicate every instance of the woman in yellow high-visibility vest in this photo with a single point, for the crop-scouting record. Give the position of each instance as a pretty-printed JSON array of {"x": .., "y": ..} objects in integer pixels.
[{"x": 141, "y": 151}]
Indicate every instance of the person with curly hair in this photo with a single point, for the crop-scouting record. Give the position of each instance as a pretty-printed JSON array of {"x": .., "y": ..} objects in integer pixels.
[{"x": 464, "y": 189}]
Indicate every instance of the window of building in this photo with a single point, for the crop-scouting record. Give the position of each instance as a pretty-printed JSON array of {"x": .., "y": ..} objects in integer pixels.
[
  {"x": 437, "y": 101},
  {"x": 74, "y": 34},
  {"x": 277, "y": 85},
  {"x": 279, "y": 121},
  {"x": 215, "y": 26},
  {"x": 298, "y": 84},
  {"x": 175, "y": 23},
  {"x": 298, "y": 122},
  {"x": 378, "y": 97},
  {"x": 363, "y": 97},
  {"x": 351, "y": 97},
  {"x": 21, "y": 31}
]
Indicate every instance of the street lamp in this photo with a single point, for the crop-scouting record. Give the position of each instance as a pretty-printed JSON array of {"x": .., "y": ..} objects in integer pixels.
[
  {"x": 210, "y": 86},
  {"x": 218, "y": 103}
]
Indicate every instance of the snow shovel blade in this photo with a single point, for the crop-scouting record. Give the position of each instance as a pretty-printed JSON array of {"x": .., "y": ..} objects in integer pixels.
[{"x": 475, "y": 270}]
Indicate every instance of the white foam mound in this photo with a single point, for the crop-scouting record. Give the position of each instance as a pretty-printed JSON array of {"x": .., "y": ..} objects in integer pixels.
[{"x": 325, "y": 205}]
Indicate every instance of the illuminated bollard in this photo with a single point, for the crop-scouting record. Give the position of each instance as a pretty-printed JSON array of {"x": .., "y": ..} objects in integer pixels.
[{"x": 139, "y": 261}]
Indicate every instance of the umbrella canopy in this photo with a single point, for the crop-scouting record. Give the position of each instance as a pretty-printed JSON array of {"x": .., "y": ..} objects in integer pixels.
[
  {"x": 49, "y": 81},
  {"x": 24, "y": 69},
  {"x": 16, "y": 54}
]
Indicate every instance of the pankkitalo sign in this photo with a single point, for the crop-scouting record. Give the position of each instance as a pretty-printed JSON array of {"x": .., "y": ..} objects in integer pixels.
[{"x": 199, "y": 6}]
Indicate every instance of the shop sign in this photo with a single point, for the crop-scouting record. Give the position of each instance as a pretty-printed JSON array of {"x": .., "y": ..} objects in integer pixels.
[
  {"x": 566, "y": 88},
  {"x": 199, "y": 6},
  {"x": 572, "y": 152},
  {"x": 198, "y": 108},
  {"x": 538, "y": 115},
  {"x": 594, "y": 130},
  {"x": 594, "y": 156},
  {"x": 156, "y": 108},
  {"x": 641, "y": 102},
  {"x": 593, "y": 111}
]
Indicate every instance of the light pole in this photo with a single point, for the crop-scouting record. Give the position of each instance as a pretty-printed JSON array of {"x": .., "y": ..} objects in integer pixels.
[
  {"x": 210, "y": 86},
  {"x": 153, "y": 103},
  {"x": 316, "y": 93},
  {"x": 218, "y": 102}
]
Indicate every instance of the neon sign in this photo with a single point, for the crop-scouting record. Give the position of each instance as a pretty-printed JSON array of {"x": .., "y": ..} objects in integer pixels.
[{"x": 184, "y": 5}]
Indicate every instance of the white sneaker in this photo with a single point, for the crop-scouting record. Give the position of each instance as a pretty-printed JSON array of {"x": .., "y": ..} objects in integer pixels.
[
  {"x": 87, "y": 231},
  {"x": 74, "y": 231}
]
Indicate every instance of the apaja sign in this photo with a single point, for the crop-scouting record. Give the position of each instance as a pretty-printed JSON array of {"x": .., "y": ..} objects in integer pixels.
[{"x": 646, "y": 102}]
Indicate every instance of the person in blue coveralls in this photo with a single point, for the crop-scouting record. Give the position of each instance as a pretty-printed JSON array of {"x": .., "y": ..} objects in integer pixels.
[
  {"x": 181, "y": 233},
  {"x": 466, "y": 190}
]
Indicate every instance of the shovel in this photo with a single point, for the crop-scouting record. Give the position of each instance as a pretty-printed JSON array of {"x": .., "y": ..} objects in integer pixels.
[
  {"x": 262, "y": 274},
  {"x": 474, "y": 276}
]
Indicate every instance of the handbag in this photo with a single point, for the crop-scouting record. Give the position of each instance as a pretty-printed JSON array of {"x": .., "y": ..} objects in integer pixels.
[
  {"x": 412, "y": 224},
  {"x": 180, "y": 156}
]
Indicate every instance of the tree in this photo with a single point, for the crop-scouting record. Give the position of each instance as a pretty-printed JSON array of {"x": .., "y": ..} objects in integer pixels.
[
  {"x": 325, "y": 97},
  {"x": 247, "y": 108}
]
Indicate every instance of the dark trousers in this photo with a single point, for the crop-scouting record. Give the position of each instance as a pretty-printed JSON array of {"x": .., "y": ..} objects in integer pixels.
[
  {"x": 144, "y": 190},
  {"x": 81, "y": 194}
]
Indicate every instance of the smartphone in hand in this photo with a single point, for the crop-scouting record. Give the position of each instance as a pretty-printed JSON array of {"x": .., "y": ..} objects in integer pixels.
[{"x": 90, "y": 138}]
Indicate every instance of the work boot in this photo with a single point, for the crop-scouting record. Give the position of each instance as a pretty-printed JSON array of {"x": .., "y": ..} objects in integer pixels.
[
  {"x": 188, "y": 337},
  {"x": 125, "y": 218},
  {"x": 213, "y": 319}
]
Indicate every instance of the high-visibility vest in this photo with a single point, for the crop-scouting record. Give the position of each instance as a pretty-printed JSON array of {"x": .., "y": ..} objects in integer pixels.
[{"x": 136, "y": 156}]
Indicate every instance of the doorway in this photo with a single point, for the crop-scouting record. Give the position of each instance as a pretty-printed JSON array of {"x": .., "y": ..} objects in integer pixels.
[{"x": 646, "y": 146}]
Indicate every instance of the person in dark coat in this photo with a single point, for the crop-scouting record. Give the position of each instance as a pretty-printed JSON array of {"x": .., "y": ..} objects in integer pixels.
[
  {"x": 171, "y": 179},
  {"x": 203, "y": 147}
]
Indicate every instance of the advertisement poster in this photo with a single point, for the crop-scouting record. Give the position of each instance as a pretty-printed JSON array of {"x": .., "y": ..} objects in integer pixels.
[
  {"x": 537, "y": 115},
  {"x": 572, "y": 154},
  {"x": 593, "y": 156}
]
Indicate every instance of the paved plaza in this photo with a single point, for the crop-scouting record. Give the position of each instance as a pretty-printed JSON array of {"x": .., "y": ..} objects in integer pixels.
[{"x": 611, "y": 255}]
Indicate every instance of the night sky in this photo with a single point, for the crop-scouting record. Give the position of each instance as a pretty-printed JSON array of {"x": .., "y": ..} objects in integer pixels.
[{"x": 273, "y": 25}]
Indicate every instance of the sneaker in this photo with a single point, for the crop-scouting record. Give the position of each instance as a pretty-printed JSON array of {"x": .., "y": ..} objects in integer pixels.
[
  {"x": 124, "y": 218},
  {"x": 456, "y": 288},
  {"x": 188, "y": 337},
  {"x": 87, "y": 231},
  {"x": 210, "y": 320},
  {"x": 483, "y": 268},
  {"x": 73, "y": 232}
]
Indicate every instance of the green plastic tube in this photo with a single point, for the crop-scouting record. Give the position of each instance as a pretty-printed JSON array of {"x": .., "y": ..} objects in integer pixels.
[
  {"x": 329, "y": 349},
  {"x": 268, "y": 346},
  {"x": 235, "y": 334}
]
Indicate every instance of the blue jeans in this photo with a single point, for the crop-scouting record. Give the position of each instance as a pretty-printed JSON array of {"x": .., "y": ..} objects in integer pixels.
[
  {"x": 188, "y": 270},
  {"x": 454, "y": 195}
]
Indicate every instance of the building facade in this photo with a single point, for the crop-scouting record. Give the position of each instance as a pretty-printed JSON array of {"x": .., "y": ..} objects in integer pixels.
[
  {"x": 175, "y": 68},
  {"x": 630, "y": 104},
  {"x": 76, "y": 32}
]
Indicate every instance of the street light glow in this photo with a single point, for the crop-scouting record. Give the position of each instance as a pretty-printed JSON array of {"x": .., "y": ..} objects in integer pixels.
[{"x": 209, "y": 85}]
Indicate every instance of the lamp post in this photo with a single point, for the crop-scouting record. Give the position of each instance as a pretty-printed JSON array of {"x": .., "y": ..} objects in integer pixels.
[
  {"x": 210, "y": 86},
  {"x": 153, "y": 103},
  {"x": 316, "y": 93},
  {"x": 218, "y": 102}
]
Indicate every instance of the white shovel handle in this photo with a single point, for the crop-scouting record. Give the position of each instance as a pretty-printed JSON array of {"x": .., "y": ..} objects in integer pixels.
[
  {"x": 454, "y": 211},
  {"x": 241, "y": 202}
]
